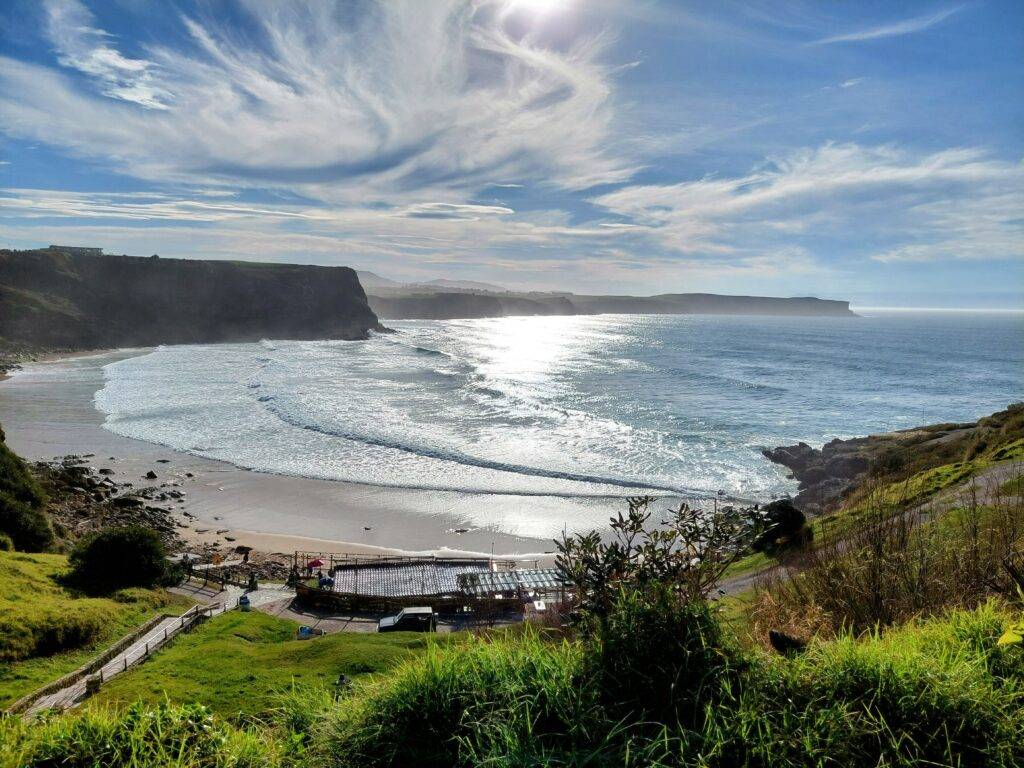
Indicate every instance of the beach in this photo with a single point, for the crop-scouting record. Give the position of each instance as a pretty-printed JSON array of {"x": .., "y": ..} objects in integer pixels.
[{"x": 47, "y": 411}]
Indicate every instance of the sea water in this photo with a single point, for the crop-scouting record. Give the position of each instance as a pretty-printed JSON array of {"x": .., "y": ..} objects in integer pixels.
[{"x": 604, "y": 405}]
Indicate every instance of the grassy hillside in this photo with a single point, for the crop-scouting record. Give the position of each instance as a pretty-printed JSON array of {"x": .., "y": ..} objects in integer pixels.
[
  {"x": 47, "y": 630},
  {"x": 240, "y": 663},
  {"x": 939, "y": 692}
]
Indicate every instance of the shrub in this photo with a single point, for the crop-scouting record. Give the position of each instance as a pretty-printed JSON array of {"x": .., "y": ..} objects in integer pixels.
[
  {"x": 131, "y": 556},
  {"x": 22, "y": 502},
  {"x": 658, "y": 659},
  {"x": 785, "y": 526},
  {"x": 687, "y": 554},
  {"x": 27, "y": 527},
  {"x": 6, "y": 543}
]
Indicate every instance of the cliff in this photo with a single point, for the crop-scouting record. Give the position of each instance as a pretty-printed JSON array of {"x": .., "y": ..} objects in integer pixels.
[
  {"x": 845, "y": 470},
  {"x": 71, "y": 298},
  {"x": 418, "y": 303}
]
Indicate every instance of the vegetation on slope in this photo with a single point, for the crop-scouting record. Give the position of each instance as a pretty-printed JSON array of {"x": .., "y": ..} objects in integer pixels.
[
  {"x": 22, "y": 502},
  {"x": 893, "y": 567},
  {"x": 936, "y": 692},
  {"x": 240, "y": 663},
  {"x": 909, "y": 465},
  {"x": 47, "y": 629}
]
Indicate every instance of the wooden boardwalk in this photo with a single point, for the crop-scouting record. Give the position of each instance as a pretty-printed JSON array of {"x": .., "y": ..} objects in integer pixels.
[
  {"x": 133, "y": 654},
  {"x": 154, "y": 639}
]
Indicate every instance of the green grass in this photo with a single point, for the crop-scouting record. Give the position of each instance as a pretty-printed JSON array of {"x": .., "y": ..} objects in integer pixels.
[
  {"x": 931, "y": 693},
  {"x": 47, "y": 630},
  {"x": 936, "y": 692},
  {"x": 239, "y": 664}
]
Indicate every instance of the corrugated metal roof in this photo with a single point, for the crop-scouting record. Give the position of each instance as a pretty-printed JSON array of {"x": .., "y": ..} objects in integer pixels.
[{"x": 511, "y": 582}]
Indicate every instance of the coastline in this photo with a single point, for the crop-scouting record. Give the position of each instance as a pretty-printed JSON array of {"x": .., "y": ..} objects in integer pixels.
[{"x": 47, "y": 411}]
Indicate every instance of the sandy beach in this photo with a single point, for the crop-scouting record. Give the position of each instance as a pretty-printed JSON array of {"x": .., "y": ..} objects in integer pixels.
[{"x": 47, "y": 411}]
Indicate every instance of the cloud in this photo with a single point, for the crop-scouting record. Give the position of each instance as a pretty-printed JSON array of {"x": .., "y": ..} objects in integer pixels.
[
  {"x": 402, "y": 100},
  {"x": 841, "y": 199},
  {"x": 852, "y": 82},
  {"x": 895, "y": 29},
  {"x": 81, "y": 46}
]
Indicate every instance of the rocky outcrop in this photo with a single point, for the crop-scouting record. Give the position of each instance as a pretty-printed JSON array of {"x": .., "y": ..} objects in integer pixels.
[
  {"x": 60, "y": 297},
  {"x": 842, "y": 468},
  {"x": 825, "y": 475}
]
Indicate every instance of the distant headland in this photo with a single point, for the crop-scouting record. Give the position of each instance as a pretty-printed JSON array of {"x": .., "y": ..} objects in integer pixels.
[{"x": 75, "y": 297}]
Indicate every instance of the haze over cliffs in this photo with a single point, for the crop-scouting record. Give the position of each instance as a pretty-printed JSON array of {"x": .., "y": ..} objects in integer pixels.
[
  {"x": 77, "y": 298},
  {"x": 449, "y": 300}
]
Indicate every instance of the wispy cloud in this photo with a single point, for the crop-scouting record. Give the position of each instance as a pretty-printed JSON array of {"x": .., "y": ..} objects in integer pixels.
[
  {"x": 893, "y": 29},
  {"x": 438, "y": 96},
  {"x": 80, "y": 45},
  {"x": 957, "y": 203}
]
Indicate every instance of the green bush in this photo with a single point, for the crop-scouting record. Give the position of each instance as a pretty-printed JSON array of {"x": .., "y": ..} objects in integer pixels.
[
  {"x": 656, "y": 659},
  {"x": 27, "y": 527},
  {"x": 22, "y": 502},
  {"x": 785, "y": 526},
  {"x": 6, "y": 543},
  {"x": 130, "y": 556}
]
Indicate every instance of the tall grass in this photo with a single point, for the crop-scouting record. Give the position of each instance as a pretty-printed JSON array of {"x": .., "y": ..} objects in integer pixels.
[
  {"x": 464, "y": 700},
  {"x": 935, "y": 692},
  {"x": 899, "y": 564},
  {"x": 138, "y": 737}
]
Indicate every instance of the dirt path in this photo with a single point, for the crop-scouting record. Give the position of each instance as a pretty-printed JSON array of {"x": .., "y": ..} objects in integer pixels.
[{"x": 986, "y": 485}]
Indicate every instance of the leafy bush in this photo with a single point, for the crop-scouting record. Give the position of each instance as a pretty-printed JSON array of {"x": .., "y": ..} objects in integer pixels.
[
  {"x": 657, "y": 659},
  {"x": 686, "y": 555},
  {"x": 785, "y": 526},
  {"x": 131, "y": 556},
  {"x": 6, "y": 543},
  {"x": 22, "y": 502}
]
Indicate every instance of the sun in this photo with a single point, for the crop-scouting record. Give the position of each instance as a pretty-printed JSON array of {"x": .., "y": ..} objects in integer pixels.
[{"x": 537, "y": 7}]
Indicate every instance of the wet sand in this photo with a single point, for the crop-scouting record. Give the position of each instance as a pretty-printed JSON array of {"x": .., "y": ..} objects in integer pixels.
[{"x": 47, "y": 411}]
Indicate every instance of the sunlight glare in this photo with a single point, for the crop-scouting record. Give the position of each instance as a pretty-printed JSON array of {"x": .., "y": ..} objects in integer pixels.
[{"x": 536, "y": 7}]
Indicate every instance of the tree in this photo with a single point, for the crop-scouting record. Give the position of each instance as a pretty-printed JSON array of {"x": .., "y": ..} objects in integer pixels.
[
  {"x": 131, "y": 556},
  {"x": 687, "y": 554}
]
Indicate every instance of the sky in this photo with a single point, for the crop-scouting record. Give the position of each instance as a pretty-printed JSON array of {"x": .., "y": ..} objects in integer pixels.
[{"x": 869, "y": 151}]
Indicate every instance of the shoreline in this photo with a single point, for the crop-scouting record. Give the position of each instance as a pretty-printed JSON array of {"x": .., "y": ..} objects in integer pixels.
[{"x": 47, "y": 411}]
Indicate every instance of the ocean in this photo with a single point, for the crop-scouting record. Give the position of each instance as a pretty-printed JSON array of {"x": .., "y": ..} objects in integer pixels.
[{"x": 594, "y": 406}]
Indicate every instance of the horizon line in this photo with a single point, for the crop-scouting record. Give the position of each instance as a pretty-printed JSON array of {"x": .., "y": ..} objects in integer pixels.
[{"x": 938, "y": 309}]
